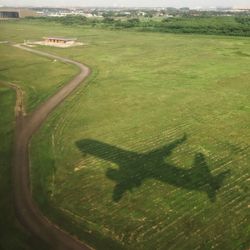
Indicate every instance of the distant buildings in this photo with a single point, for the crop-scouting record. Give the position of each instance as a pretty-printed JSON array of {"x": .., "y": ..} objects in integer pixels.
[
  {"x": 7, "y": 14},
  {"x": 14, "y": 13},
  {"x": 241, "y": 8}
]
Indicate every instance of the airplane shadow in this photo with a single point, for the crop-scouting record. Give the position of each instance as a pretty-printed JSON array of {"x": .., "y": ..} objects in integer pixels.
[{"x": 135, "y": 168}]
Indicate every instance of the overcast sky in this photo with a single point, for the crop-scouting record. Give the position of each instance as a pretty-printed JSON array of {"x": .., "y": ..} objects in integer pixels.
[{"x": 129, "y": 3}]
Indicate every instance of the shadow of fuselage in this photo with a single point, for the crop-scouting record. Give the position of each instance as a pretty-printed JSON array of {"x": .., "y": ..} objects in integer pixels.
[{"x": 135, "y": 168}]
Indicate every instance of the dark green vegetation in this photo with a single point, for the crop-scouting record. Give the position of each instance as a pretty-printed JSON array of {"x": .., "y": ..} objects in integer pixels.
[
  {"x": 147, "y": 90},
  {"x": 229, "y": 25}
]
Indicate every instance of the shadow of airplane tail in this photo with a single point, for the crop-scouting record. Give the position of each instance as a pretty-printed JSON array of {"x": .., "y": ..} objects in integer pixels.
[
  {"x": 212, "y": 183},
  {"x": 215, "y": 184}
]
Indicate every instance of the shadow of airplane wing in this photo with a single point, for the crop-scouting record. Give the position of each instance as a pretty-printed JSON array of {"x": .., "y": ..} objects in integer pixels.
[
  {"x": 167, "y": 149},
  {"x": 105, "y": 151},
  {"x": 125, "y": 177}
]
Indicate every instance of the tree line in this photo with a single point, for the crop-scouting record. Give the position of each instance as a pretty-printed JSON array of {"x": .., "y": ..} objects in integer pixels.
[{"x": 229, "y": 25}]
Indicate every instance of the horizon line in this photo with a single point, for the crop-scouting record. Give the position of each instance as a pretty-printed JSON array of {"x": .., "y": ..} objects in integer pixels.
[{"x": 118, "y": 6}]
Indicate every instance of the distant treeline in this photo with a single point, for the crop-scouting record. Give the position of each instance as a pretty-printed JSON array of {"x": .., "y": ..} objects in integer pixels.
[{"x": 223, "y": 25}]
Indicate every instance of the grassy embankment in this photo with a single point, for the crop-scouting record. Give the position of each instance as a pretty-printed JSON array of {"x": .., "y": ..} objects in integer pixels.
[
  {"x": 11, "y": 236},
  {"x": 39, "y": 78},
  {"x": 146, "y": 91}
]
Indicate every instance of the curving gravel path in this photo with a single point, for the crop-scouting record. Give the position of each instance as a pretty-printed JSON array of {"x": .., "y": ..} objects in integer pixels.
[{"x": 27, "y": 211}]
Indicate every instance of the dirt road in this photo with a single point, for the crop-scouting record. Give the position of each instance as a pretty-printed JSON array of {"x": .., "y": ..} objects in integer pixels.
[{"x": 27, "y": 211}]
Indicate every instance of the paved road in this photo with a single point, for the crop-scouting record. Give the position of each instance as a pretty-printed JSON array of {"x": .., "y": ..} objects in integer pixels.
[{"x": 27, "y": 211}]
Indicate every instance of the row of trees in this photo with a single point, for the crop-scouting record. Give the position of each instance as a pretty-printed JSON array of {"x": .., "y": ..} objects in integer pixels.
[
  {"x": 243, "y": 20},
  {"x": 238, "y": 26}
]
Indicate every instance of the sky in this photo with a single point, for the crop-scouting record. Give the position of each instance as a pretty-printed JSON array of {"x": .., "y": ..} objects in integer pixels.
[{"x": 128, "y": 3}]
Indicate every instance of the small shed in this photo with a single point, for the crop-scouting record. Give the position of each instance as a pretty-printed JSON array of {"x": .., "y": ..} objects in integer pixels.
[{"x": 59, "y": 40}]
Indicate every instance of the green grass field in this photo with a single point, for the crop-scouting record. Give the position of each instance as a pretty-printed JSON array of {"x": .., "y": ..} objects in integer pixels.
[{"x": 92, "y": 170}]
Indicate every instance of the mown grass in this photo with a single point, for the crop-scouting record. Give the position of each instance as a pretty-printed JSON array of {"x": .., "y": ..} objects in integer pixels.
[{"x": 146, "y": 91}]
